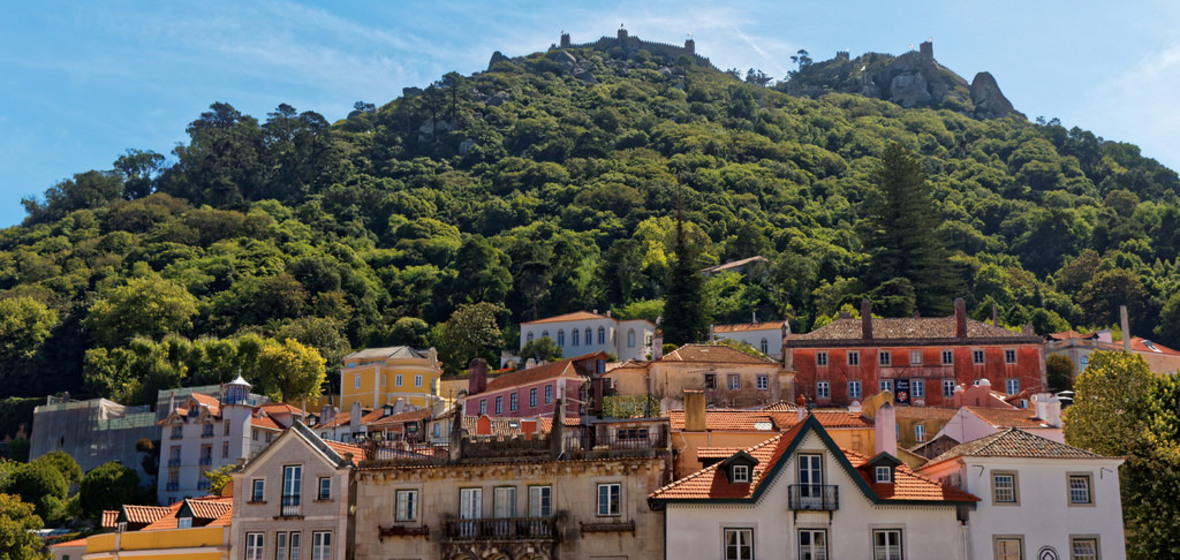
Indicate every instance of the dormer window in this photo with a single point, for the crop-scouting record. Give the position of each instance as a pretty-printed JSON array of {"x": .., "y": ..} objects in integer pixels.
[
  {"x": 882, "y": 468},
  {"x": 741, "y": 474},
  {"x": 884, "y": 474},
  {"x": 184, "y": 523}
]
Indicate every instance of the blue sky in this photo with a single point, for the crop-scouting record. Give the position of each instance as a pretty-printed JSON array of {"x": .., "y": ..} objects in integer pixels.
[{"x": 82, "y": 82}]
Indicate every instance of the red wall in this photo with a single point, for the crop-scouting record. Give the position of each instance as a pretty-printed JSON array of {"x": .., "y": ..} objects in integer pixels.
[
  {"x": 523, "y": 410},
  {"x": 1027, "y": 369}
]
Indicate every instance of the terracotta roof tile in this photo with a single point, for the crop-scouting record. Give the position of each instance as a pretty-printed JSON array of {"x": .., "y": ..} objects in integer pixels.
[
  {"x": 841, "y": 419},
  {"x": 726, "y": 420},
  {"x": 536, "y": 374},
  {"x": 1143, "y": 345},
  {"x": 401, "y": 418},
  {"x": 907, "y": 484},
  {"x": 167, "y": 521},
  {"x": 745, "y": 327},
  {"x": 780, "y": 406},
  {"x": 716, "y": 452},
  {"x": 265, "y": 422},
  {"x": 713, "y": 354},
  {"x": 575, "y": 316},
  {"x": 1015, "y": 443},
  {"x": 69, "y": 544},
  {"x": 358, "y": 453},
  {"x": 924, "y": 413},
  {"x": 110, "y": 518},
  {"x": 209, "y": 509},
  {"x": 281, "y": 408},
  {"x": 906, "y": 328},
  {"x": 1008, "y": 417},
  {"x": 144, "y": 514}
]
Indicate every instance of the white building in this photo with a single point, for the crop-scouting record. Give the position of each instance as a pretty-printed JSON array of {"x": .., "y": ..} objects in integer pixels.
[
  {"x": 207, "y": 432},
  {"x": 973, "y": 422},
  {"x": 798, "y": 495},
  {"x": 766, "y": 337},
  {"x": 585, "y": 333},
  {"x": 1041, "y": 498}
]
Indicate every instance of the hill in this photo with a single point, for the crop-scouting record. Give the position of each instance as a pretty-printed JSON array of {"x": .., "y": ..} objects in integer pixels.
[{"x": 547, "y": 184}]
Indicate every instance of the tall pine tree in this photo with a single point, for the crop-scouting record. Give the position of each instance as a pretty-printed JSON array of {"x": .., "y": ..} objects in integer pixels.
[
  {"x": 902, "y": 236},
  {"x": 685, "y": 315}
]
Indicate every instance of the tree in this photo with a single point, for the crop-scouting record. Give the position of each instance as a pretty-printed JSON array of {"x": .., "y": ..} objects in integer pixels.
[
  {"x": 149, "y": 306},
  {"x": 290, "y": 371},
  {"x": 541, "y": 349},
  {"x": 108, "y": 486},
  {"x": 1109, "y": 410},
  {"x": 901, "y": 232},
  {"x": 220, "y": 478},
  {"x": 43, "y": 486},
  {"x": 64, "y": 464},
  {"x": 17, "y": 523},
  {"x": 473, "y": 331},
  {"x": 685, "y": 317},
  {"x": 801, "y": 58},
  {"x": 1059, "y": 371}
]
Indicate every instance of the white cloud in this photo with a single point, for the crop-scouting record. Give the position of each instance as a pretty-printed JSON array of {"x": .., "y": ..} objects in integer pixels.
[{"x": 1138, "y": 106}]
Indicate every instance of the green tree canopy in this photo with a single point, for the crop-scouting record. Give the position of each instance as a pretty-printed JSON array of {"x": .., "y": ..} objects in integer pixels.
[
  {"x": 473, "y": 331},
  {"x": 148, "y": 306},
  {"x": 17, "y": 523},
  {"x": 108, "y": 486}
]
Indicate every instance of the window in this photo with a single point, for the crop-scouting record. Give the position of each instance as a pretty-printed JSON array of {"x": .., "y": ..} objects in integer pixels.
[
  {"x": 254, "y": 545},
  {"x": 529, "y": 337},
  {"x": 177, "y": 432},
  {"x": 710, "y": 380},
  {"x": 1085, "y": 361},
  {"x": 589, "y": 339},
  {"x": 887, "y": 544},
  {"x": 254, "y": 434},
  {"x": 977, "y": 357},
  {"x": 406, "y": 505},
  {"x": 174, "y": 456},
  {"x": 811, "y": 476},
  {"x": 885, "y": 358},
  {"x": 915, "y": 357},
  {"x": 295, "y": 540},
  {"x": 483, "y": 407},
  {"x": 734, "y": 382},
  {"x": 601, "y": 335},
  {"x": 1009, "y": 548},
  {"x": 540, "y": 501},
  {"x": 206, "y": 455},
  {"x": 499, "y": 405},
  {"x": 470, "y": 503},
  {"x": 1005, "y": 489},
  {"x": 356, "y": 381},
  {"x": 1009, "y": 356},
  {"x": 383, "y": 379},
  {"x": 397, "y": 380},
  {"x": 184, "y": 523},
  {"x": 512, "y": 401},
  {"x": 948, "y": 388},
  {"x": 321, "y": 545},
  {"x": 533, "y": 397},
  {"x": 883, "y": 474},
  {"x": 576, "y": 338},
  {"x": 821, "y": 359},
  {"x": 739, "y": 544},
  {"x": 823, "y": 390},
  {"x": 1083, "y": 548},
  {"x": 854, "y": 390},
  {"x": 207, "y": 430},
  {"x": 504, "y": 502},
  {"x": 417, "y": 380},
  {"x": 561, "y": 337},
  {"x": 918, "y": 388},
  {"x": 885, "y": 385},
  {"x": 610, "y": 498},
  {"x": 765, "y": 346},
  {"x": 919, "y": 433},
  {"x": 325, "y": 489},
  {"x": 544, "y": 334},
  {"x": 1012, "y": 386},
  {"x": 548, "y": 394},
  {"x": 1079, "y": 490},
  {"x": 763, "y": 382},
  {"x": 948, "y": 357},
  {"x": 813, "y": 544},
  {"x": 741, "y": 473},
  {"x": 281, "y": 546},
  {"x": 292, "y": 489},
  {"x": 854, "y": 358},
  {"x": 631, "y": 339},
  {"x": 258, "y": 491},
  {"x": 225, "y": 450},
  {"x": 226, "y": 427}
]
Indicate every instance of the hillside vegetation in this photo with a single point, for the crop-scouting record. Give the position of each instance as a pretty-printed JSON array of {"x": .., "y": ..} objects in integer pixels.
[{"x": 262, "y": 246}]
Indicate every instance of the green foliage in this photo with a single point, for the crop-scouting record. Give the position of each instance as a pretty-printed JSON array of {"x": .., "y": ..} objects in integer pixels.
[
  {"x": 289, "y": 371},
  {"x": 150, "y": 306},
  {"x": 630, "y": 406},
  {"x": 541, "y": 349},
  {"x": 17, "y": 523},
  {"x": 220, "y": 478},
  {"x": 42, "y": 485},
  {"x": 649, "y": 310},
  {"x": 64, "y": 464},
  {"x": 473, "y": 331},
  {"x": 686, "y": 317},
  {"x": 108, "y": 486},
  {"x": 1059, "y": 371}
]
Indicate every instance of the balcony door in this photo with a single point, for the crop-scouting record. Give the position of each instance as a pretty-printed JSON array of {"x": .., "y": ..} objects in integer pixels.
[
  {"x": 504, "y": 509},
  {"x": 470, "y": 507},
  {"x": 813, "y": 544},
  {"x": 292, "y": 489},
  {"x": 811, "y": 479}
]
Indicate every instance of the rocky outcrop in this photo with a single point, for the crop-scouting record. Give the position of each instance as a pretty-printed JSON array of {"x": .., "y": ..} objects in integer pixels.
[{"x": 988, "y": 99}]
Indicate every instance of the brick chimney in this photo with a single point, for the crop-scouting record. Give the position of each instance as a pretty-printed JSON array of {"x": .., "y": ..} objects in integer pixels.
[
  {"x": 477, "y": 376},
  {"x": 885, "y": 423},
  {"x": 694, "y": 411},
  {"x": 657, "y": 345},
  {"x": 866, "y": 319},
  {"x": 960, "y": 318}
]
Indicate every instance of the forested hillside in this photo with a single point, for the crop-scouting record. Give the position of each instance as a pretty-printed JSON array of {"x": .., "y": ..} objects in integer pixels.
[{"x": 263, "y": 244}]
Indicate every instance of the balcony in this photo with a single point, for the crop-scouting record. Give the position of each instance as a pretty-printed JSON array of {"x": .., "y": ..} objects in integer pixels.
[
  {"x": 206, "y": 461},
  {"x": 174, "y": 462},
  {"x": 501, "y": 529},
  {"x": 172, "y": 487},
  {"x": 290, "y": 507},
  {"x": 813, "y": 497}
]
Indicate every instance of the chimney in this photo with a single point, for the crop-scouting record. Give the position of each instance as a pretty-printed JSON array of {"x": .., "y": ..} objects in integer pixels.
[
  {"x": 957, "y": 399},
  {"x": 1041, "y": 404},
  {"x": 456, "y": 439},
  {"x": 477, "y": 376},
  {"x": 1053, "y": 412},
  {"x": 657, "y": 344},
  {"x": 694, "y": 411},
  {"x": 995, "y": 315},
  {"x": 885, "y": 421},
  {"x": 354, "y": 416},
  {"x": 1126, "y": 326},
  {"x": 866, "y": 319},
  {"x": 960, "y": 318},
  {"x": 326, "y": 413},
  {"x": 557, "y": 432}
]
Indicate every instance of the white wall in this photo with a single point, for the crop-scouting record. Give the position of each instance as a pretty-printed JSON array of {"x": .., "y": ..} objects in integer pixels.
[
  {"x": 773, "y": 338},
  {"x": 616, "y": 333}
]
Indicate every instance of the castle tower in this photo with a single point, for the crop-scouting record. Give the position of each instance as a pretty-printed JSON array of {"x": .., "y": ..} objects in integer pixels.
[
  {"x": 565, "y": 40},
  {"x": 690, "y": 45},
  {"x": 841, "y": 56},
  {"x": 927, "y": 48},
  {"x": 622, "y": 33}
]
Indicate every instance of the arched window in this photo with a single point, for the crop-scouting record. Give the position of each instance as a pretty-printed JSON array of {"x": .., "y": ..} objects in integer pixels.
[
  {"x": 561, "y": 337},
  {"x": 765, "y": 347},
  {"x": 601, "y": 335},
  {"x": 530, "y": 336},
  {"x": 575, "y": 338},
  {"x": 631, "y": 338},
  {"x": 544, "y": 334},
  {"x": 589, "y": 338}
]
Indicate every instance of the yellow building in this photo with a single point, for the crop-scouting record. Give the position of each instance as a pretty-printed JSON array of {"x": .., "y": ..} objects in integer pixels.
[
  {"x": 192, "y": 529},
  {"x": 378, "y": 376}
]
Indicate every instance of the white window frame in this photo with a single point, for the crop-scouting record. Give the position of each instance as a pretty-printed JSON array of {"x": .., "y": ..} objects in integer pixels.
[
  {"x": 948, "y": 357},
  {"x": 918, "y": 388},
  {"x": 853, "y": 357},
  {"x": 948, "y": 388},
  {"x": 1012, "y": 385},
  {"x": 738, "y": 543},
  {"x": 1005, "y": 492},
  {"x": 885, "y": 385},
  {"x": 763, "y": 382},
  {"x": 978, "y": 357},
  {"x": 631, "y": 339},
  {"x": 885, "y": 358},
  {"x": 321, "y": 545},
  {"x": 1010, "y": 356},
  {"x": 1095, "y": 553},
  {"x": 915, "y": 357},
  {"x": 610, "y": 499},
  {"x": 812, "y": 548},
  {"x": 919, "y": 433},
  {"x": 733, "y": 381},
  {"x": 1080, "y": 494},
  {"x": 356, "y": 381},
  {"x": 405, "y": 505},
  {"x": 397, "y": 380},
  {"x": 821, "y": 359},
  {"x": 854, "y": 390},
  {"x": 764, "y": 346},
  {"x": 185, "y": 522},
  {"x": 258, "y": 490},
  {"x": 504, "y": 501},
  {"x": 889, "y": 550},
  {"x": 823, "y": 390},
  {"x": 541, "y": 501},
  {"x": 883, "y": 474},
  {"x": 741, "y": 473},
  {"x": 254, "y": 545},
  {"x": 324, "y": 488},
  {"x": 417, "y": 380}
]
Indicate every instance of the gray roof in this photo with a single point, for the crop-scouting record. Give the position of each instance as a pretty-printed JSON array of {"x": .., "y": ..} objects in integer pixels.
[
  {"x": 387, "y": 352},
  {"x": 1015, "y": 443}
]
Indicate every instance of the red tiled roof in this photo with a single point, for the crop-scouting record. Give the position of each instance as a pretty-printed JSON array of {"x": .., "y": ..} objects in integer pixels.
[
  {"x": 167, "y": 521},
  {"x": 533, "y": 375},
  {"x": 906, "y": 328},
  {"x": 1139, "y": 344},
  {"x": 1008, "y": 417},
  {"x": 716, "y": 452},
  {"x": 139, "y": 515},
  {"x": 209, "y": 509},
  {"x": 265, "y": 422},
  {"x": 726, "y": 420},
  {"x": 401, "y": 418},
  {"x": 780, "y": 406},
  {"x": 280, "y": 408},
  {"x": 110, "y": 518},
  {"x": 70, "y": 544},
  {"x": 713, "y": 354},
  {"x": 841, "y": 419},
  {"x": 744, "y": 327},
  {"x": 907, "y": 484},
  {"x": 209, "y": 401},
  {"x": 1066, "y": 335},
  {"x": 575, "y": 316},
  {"x": 924, "y": 413},
  {"x": 358, "y": 453}
]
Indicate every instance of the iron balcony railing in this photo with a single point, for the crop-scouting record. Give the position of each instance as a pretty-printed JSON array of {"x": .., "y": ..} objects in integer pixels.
[
  {"x": 206, "y": 461},
  {"x": 173, "y": 462},
  {"x": 818, "y": 497},
  {"x": 289, "y": 506},
  {"x": 172, "y": 486},
  {"x": 501, "y": 529}
]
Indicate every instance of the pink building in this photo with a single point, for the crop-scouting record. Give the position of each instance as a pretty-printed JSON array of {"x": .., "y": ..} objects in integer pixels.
[{"x": 533, "y": 392}]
